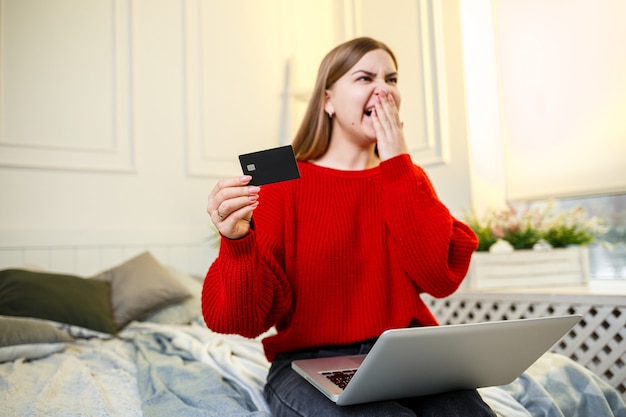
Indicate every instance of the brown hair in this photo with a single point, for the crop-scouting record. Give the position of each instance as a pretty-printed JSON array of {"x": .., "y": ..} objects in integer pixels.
[{"x": 313, "y": 136}]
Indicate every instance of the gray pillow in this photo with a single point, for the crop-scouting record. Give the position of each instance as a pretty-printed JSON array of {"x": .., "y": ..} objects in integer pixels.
[
  {"x": 186, "y": 311},
  {"x": 140, "y": 287}
]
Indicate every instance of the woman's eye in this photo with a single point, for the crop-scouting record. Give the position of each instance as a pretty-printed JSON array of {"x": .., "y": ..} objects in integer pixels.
[
  {"x": 364, "y": 78},
  {"x": 392, "y": 80}
]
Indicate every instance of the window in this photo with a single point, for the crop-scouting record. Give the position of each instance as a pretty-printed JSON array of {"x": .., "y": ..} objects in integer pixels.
[{"x": 607, "y": 256}]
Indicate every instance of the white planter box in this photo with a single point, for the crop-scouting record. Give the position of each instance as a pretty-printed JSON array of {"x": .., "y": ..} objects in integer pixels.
[{"x": 529, "y": 268}]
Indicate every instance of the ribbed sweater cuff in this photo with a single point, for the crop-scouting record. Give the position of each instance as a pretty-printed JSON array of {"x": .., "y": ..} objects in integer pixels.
[
  {"x": 400, "y": 171},
  {"x": 397, "y": 167},
  {"x": 237, "y": 248}
]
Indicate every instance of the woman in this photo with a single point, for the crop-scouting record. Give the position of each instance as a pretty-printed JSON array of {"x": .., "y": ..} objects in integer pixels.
[{"x": 342, "y": 254}]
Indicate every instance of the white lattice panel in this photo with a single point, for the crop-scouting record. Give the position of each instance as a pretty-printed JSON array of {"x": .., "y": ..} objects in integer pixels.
[{"x": 598, "y": 341}]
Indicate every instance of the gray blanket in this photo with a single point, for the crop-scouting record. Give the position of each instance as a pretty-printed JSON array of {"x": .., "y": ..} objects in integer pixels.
[
  {"x": 199, "y": 373},
  {"x": 555, "y": 386},
  {"x": 172, "y": 382}
]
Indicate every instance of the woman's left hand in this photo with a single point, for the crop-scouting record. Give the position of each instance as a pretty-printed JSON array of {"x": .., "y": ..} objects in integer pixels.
[{"x": 388, "y": 127}]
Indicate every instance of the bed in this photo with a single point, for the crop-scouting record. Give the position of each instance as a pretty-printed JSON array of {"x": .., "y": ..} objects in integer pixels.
[{"x": 129, "y": 340}]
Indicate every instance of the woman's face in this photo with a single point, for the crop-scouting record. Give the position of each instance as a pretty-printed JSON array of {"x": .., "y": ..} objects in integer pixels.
[{"x": 352, "y": 97}]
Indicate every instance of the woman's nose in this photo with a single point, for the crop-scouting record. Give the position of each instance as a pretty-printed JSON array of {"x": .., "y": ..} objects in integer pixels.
[{"x": 381, "y": 90}]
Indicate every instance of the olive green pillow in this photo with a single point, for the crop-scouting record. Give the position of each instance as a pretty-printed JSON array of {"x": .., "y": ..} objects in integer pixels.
[{"x": 57, "y": 297}]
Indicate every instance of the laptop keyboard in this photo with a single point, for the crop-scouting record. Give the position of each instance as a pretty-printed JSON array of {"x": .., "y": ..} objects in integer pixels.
[{"x": 340, "y": 378}]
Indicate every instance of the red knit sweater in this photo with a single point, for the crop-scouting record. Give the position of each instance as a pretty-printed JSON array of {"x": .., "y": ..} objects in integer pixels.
[{"x": 338, "y": 257}]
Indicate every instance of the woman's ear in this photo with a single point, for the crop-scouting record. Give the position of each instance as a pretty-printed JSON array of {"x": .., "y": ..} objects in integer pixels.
[{"x": 328, "y": 105}]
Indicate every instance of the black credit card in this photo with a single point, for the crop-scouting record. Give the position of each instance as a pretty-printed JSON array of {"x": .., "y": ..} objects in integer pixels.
[{"x": 270, "y": 165}]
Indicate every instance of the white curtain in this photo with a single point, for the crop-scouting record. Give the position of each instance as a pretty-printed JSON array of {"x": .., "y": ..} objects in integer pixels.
[{"x": 562, "y": 70}]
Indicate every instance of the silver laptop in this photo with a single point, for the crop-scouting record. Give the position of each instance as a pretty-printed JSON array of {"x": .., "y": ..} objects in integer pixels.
[{"x": 430, "y": 360}]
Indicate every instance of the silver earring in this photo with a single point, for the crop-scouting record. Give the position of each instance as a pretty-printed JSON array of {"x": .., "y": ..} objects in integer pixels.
[{"x": 330, "y": 114}]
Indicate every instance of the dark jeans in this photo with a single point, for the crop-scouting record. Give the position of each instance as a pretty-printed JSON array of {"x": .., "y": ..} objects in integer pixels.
[{"x": 288, "y": 394}]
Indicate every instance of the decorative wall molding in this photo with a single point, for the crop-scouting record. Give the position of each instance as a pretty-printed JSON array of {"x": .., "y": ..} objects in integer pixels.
[
  {"x": 53, "y": 113},
  {"x": 233, "y": 89},
  {"x": 435, "y": 146},
  {"x": 210, "y": 147},
  {"x": 427, "y": 134},
  {"x": 200, "y": 161}
]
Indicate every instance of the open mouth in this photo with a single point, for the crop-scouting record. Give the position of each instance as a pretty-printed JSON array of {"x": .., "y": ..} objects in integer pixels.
[{"x": 368, "y": 112}]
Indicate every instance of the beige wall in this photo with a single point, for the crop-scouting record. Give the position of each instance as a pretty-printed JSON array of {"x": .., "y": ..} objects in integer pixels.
[{"x": 117, "y": 117}]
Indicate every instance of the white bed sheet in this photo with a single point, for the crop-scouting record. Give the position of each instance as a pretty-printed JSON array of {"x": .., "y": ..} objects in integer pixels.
[{"x": 96, "y": 378}]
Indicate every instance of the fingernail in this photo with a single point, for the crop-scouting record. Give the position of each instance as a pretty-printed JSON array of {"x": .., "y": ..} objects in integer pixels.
[
  {"x": 245, "y": 178},
  {"x": 253, "y": 190}
]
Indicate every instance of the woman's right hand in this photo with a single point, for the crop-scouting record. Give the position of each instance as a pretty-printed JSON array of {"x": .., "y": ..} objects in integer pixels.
[{"x": 231, "y": 203}]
